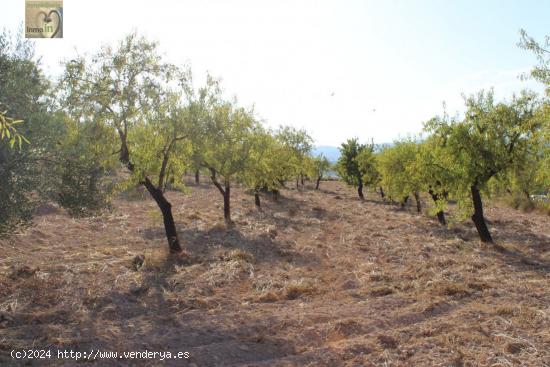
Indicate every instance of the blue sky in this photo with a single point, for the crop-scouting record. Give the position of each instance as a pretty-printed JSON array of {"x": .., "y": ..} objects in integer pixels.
[{"x": 371, "y": 69}]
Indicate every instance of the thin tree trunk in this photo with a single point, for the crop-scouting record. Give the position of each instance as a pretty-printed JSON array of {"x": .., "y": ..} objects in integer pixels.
[
  {"x": 302, "y": 178},
  {"x": 318, "y": 182},
  {"x": 404, "y": 201},
  {"x": 478, "y": 218},
  {"x": 166, "y": 209},
  {"x": 440, "y": 214},
  {"x": 382, "y": 193},
  {"x": 257, "y": 199},
  {"x": 418, "y": 204},
  {"x": 157, "y": 194},
  {"x": 297, "y": 182},
  {"x": 197, "y": 177},
  {"x": 275, "y": 193},
  {"x": 94, "y": 178},
  {"x": 360, "y": 190},
  {"x": 227, "y": 203},
  {"x": 225, "y": 190}
]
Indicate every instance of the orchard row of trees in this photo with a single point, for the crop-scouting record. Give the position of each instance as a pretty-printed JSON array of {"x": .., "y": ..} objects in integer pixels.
[
  {"x": 126, "y": 108},
  {"x": 493, "y": 148}
]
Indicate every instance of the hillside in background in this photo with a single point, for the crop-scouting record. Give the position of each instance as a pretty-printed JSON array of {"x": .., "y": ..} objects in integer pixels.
[
  {"x": 330, "y": 152},
  {"x": 333, "y": 153}
]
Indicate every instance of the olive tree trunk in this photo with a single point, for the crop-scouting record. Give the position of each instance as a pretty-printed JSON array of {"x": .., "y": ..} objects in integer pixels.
[
  {"x": 418, "y": 204},
  {"x": 440, "y": 214},
  {"x": 257, "y": 201},
  {"x": 225, "y": 190},
  {"x": 156, "y": 193},
  {"x": 478, "y": 218},
  {"x": 166, "y": 209},
  {"x": 360, "y": 190},
  {"x": 404, "y": 201}
]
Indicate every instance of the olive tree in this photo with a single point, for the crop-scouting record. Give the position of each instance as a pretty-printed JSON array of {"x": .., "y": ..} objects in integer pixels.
[
  {"x": 432, "y": 173},
  {"x": 229, "y": 132},
  {"x": 321, "y": 166},
  {"x": 133, "y": 92},
  {"x": 348, "y": 167},
  {"x": 541, "y": 73},
  {"x": 486, "y": 142},
  {"x": 300, "y": 143},
  {"x": 263, "y": 166},
  {"x": 395, "y": 164},
  {"x": 368, "y": 165},
  {"x": 26, "y": 148}
]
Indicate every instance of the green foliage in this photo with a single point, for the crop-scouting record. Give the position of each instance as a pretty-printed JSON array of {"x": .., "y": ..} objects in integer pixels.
[
  {"x": 84, "y": 160},
  {"x": 320, "y": 166},
  {"x": 540, "y": 72},
  {"x": 368, "y": 166},
  {"x": 229, "y": 140},
  {"x": 9, "y": 133},
  {"x": 487, "y": 144},
  {"x": 23, "y": 96},
  {"x": 348, "y": 166},
  {"x": 133, "y": 92},
  {"x": 300, "y": 144},
  {"x": 269, "y": 164},
  {"x": 396, "y": 165}
]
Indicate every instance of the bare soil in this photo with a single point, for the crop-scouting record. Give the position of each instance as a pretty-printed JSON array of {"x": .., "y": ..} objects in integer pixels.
[{"x": 316, "y": 279}]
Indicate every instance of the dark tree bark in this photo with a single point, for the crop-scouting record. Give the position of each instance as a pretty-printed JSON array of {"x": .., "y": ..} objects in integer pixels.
[
  {"x": 197, "y": 177},
  {"x": 227, "y": 203},
  {"x": 360, "y": 190},
  {"x": 225, "y": 190},
  {"x": 418, "y": 204},
  {"x": 157, "y": 194},
  {"x": 478, "y": 218},
  {"x": 275, "y": 194},
  {"x": 318, "y": 182},
  {"x": 382, "y": 193},
  {"x": 297, "y": 182},
  {"x": 166, "y": 209},
  {"x": 404, "y": 201},
  {"x": 257, "y": 201},
  {"x": 302, "y": 178},
  {"x": 440, "y": 214}
]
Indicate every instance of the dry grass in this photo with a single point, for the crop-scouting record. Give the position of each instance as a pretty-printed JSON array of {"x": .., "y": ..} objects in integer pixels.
[{"x": 317, "y": 279}]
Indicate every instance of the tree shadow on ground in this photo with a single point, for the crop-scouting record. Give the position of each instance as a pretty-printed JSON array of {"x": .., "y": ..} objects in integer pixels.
[
  {"x": 143, "y": 319},
  {"x": 528, "y": 253},
  {"x": 205, "y": 245}
]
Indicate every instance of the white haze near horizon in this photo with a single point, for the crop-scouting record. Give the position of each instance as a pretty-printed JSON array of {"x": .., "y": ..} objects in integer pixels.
[{"x": 339, "y": 69}]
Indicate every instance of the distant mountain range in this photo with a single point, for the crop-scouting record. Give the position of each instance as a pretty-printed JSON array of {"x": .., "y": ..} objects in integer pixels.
[{"x": 333, "y": 153}]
